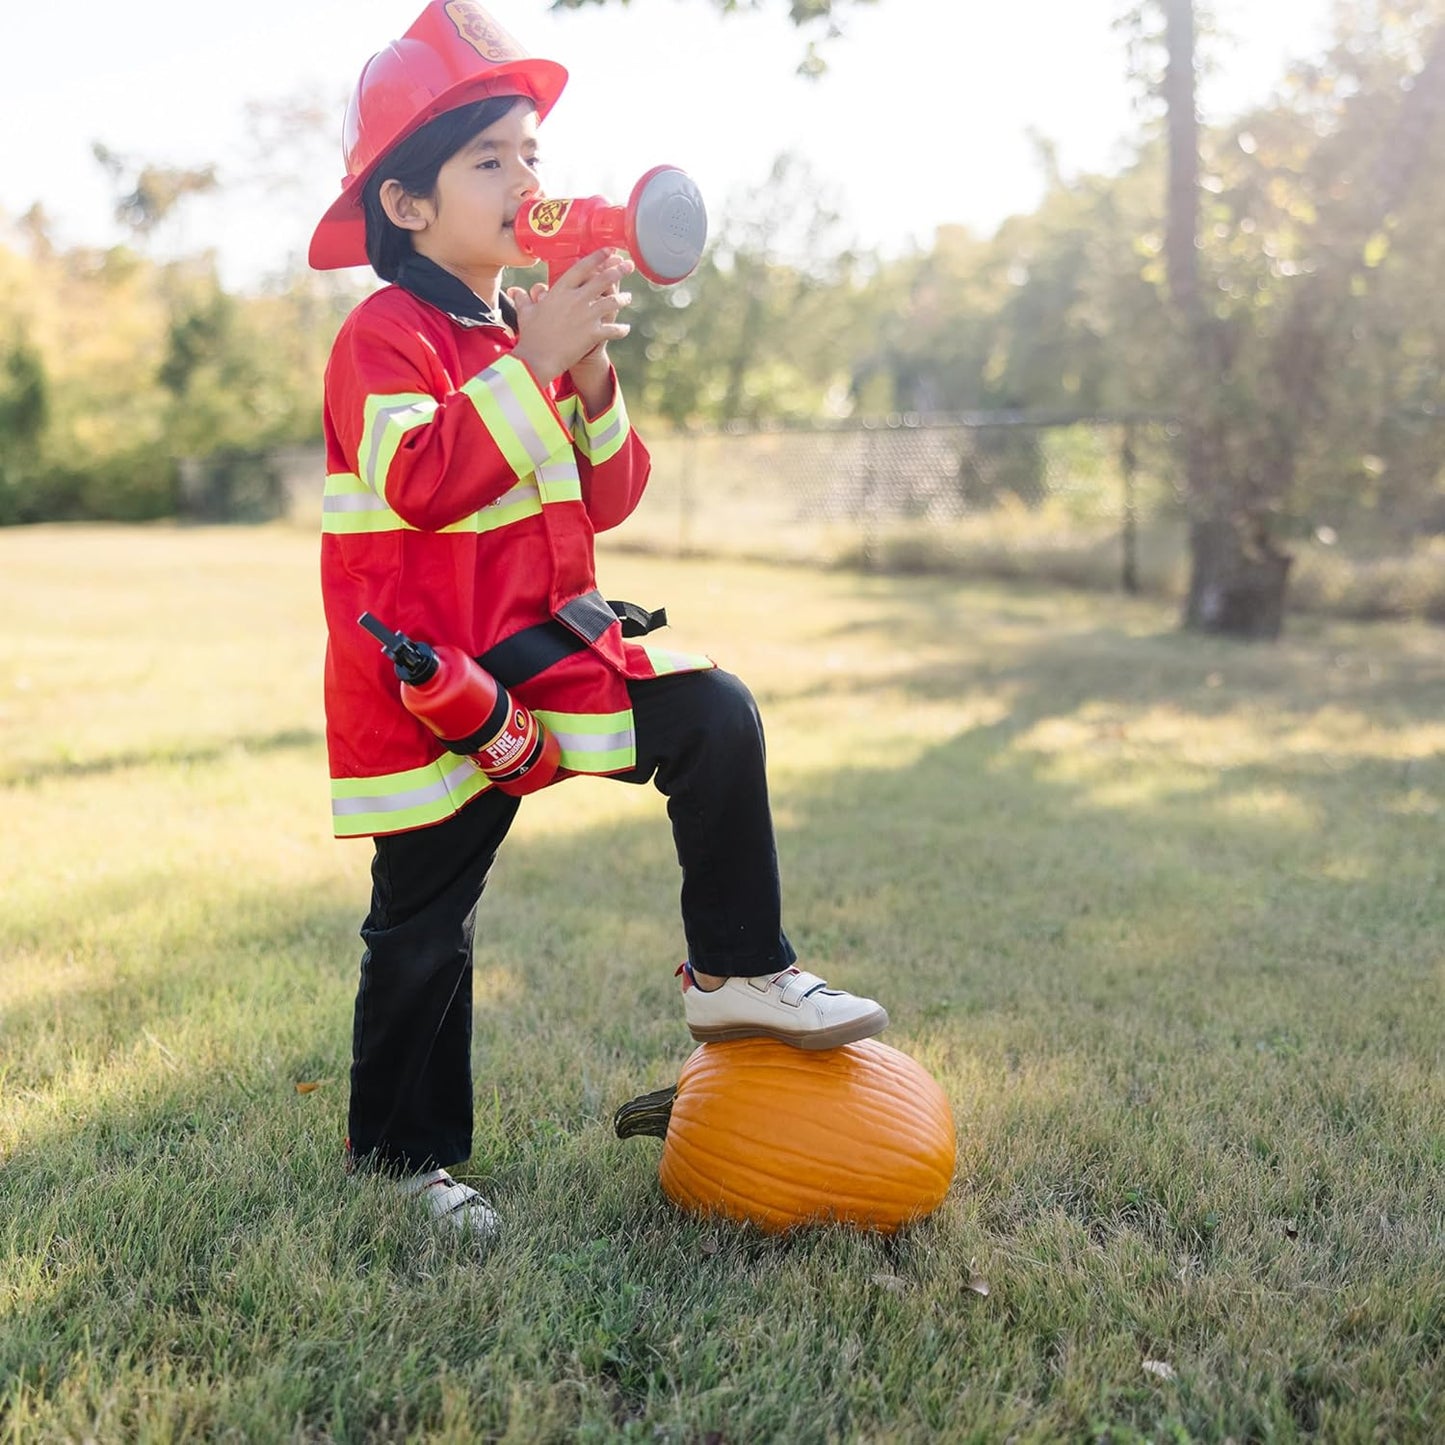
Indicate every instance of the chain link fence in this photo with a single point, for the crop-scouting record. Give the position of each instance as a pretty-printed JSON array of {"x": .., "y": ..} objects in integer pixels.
[
  {"x": 1083, "y": 500},
  {"x": 1091, "y": 502}
]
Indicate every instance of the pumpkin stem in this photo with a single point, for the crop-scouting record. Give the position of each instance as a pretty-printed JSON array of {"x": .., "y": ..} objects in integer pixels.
[{"x": 647, "y": 1114}]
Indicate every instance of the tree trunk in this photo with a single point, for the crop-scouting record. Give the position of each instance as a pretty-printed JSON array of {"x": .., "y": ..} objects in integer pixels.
[
  {"x": 1237, "y": 575},
  {"x": 1237, "y": 582}
]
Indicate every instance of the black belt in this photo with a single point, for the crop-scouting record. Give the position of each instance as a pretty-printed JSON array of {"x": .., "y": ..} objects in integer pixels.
[{"x": 520, "y": 657}]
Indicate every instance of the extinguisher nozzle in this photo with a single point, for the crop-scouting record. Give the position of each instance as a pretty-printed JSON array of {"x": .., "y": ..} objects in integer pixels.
[
  {"x": 416, "y": 662},
  {"x": 389, "y": 640}
]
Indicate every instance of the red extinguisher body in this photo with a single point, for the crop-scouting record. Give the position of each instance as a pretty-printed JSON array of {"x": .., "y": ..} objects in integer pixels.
[{"x": 471, "y": 712}]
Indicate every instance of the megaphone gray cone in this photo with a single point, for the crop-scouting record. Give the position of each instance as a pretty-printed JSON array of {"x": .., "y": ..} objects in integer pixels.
[{"x": 670, "y": 223}]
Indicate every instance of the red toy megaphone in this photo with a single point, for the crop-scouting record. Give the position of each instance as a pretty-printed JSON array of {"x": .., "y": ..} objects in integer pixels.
[{"x": 663, "y": 227}]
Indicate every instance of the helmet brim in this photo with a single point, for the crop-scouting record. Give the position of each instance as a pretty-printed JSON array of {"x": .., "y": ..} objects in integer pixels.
[{"x": 340, "y": 238}]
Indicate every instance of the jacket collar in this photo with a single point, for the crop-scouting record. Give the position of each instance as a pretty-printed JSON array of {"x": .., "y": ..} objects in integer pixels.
[{"x": 431, "y": 283}]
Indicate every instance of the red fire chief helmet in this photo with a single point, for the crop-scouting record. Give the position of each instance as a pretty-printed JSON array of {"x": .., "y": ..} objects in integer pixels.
[{"x": 453, "y": 54}]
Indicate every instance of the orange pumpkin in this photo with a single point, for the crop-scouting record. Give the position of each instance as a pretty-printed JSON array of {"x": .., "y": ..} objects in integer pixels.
[{"x": 755, "y": 1130}]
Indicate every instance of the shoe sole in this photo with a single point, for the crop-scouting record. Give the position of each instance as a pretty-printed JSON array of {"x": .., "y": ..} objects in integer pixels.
[{"x": 818, "y": 1039}]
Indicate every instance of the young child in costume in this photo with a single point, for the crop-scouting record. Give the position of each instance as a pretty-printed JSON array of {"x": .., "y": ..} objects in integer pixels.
[{"x": 476, "y": 441}]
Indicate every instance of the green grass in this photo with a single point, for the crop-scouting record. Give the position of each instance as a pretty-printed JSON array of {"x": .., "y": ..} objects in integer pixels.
[{"x": 1163, "y": 915}]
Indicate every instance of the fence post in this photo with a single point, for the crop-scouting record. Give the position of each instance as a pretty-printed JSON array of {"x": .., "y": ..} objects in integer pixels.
[
  {"x": 684, "y": 493},
  {"x": 1128, "y": 463},
  {"x": 869, "y": 548}
]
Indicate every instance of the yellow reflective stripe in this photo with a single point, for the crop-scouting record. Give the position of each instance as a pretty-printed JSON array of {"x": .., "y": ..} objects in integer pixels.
[
  {"x": 349, "y": 505},
  {"x": 664, "y": 660},
  {"x": 354, "y": 523},
  {"x": 518, "y": 416},
  {"x": 385, "y": 423},
  {"x": 502, "y": 512},
  {"x": 602, "y": 438},
  {"x": 569, "y": 408},
  {"x": 558, "y": 481},
  {"x": 367, "y": 513},
  {"x": 593, "y": 742},
  {"x": 412, "y": 799}
]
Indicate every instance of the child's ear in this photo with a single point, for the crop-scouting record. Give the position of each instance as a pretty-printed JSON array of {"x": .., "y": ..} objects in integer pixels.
[{"x": 411, "y": 213}]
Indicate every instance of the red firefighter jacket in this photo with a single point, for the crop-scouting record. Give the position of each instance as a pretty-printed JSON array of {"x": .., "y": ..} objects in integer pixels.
[{"x": 461, "y": 502}]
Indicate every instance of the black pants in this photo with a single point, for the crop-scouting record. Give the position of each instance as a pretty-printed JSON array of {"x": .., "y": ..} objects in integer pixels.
[{"x": 700, "y": 740}]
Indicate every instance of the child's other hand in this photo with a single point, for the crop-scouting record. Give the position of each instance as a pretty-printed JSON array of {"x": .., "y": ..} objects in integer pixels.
[{"x": 563, "y": 326}]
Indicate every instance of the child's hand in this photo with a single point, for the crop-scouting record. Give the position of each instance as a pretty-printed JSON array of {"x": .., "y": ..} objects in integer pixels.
[{"x": 562, "y": 327}]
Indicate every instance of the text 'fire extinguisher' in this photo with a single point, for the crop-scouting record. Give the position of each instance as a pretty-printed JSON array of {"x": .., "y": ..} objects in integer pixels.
[{"x": 470, "y": 711}]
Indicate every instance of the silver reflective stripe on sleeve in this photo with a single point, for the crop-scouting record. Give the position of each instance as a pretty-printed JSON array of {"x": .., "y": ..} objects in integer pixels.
[
  {"x": 386, "y": 427},
  {"x": 413, "y": 798},
  {"x": 511, "y": 407},
  {"x": 598, "y": 443},
  {"x": 594, "y": 742}
]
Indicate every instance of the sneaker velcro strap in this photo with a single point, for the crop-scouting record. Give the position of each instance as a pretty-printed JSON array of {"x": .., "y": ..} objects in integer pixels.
[
  {"x": 442, "y": 1193},
  {"x": 448, "y": 1200},
  {"x": 799, "y": 986}
]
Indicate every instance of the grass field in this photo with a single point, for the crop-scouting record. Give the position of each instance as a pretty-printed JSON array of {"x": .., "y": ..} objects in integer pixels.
[{"x": 1163, "y": 915}]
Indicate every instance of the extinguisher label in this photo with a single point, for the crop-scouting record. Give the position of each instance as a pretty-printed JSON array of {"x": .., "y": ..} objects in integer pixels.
[
  {"x": 546, "y": 217},
  {"x": 482, "y": 33},
  {"x": 504, "y": 752},
  {"x": 511, "y": 745}
]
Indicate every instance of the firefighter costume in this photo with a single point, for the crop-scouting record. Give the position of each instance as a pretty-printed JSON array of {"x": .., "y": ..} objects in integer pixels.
[
  {"x": 503, "y": 550},
  {"x": 462, "y": 498}
]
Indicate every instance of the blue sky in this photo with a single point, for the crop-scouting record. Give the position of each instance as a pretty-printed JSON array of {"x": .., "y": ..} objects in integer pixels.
[{"x": 923, "y": 119}]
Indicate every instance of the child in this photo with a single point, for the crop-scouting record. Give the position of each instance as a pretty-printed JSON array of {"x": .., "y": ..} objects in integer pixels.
[{"x": 475, "y": 441}]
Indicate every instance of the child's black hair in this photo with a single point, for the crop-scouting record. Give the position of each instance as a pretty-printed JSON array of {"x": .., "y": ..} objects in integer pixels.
[{"x": 415, "y": 163}]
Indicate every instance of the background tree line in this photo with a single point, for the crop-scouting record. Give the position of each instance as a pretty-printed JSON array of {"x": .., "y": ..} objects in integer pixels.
[{"x": 1274, "y": 282}]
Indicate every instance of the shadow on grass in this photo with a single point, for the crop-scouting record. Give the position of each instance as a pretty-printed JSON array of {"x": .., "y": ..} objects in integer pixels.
[
  {"x": 976, "y": 825},
  {"x": 1135, "y": 1005},
  {"x": 287, "y": 740},
  {"x": 975, "y": 880}
]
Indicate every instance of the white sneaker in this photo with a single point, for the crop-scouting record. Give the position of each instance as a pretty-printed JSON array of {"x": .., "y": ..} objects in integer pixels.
[
  {"x": 793, "y": 1007},
  {"x": 456, "y": 1204}
]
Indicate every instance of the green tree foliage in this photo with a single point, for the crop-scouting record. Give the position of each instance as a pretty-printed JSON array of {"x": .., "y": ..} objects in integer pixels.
[
  {"x": 151, "y": 194},
  {"x": 121, "y": 367},
  {"x": 1319, "y": 261},
  {"x": 1276, "y": 291},
  {"x": 24, "y": 414},
  {"x": 1056, "y": 312},
  {"x": 1334, "y": 207},
  {"x": 24, "y": 399}
]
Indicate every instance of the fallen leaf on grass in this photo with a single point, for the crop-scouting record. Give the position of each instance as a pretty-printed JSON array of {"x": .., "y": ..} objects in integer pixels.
[
  {"x": 889, "y": 1282},
  {"x": 979, "y": 1285},
  {"x": 1162, "y": 1368},
  {"x": 310, "y": 1088}
]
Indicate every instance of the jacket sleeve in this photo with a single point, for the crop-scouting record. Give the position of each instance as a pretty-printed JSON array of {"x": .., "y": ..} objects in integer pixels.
[
  {"x": 435, "y": 456},
  {"x": 612, "y": 462}
]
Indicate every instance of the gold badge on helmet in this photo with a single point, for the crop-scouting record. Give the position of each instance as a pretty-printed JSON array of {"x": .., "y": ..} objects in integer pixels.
[{"x": 483, "y": 33}]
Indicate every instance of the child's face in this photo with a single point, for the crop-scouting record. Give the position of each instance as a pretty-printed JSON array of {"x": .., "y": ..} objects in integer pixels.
[{"x": 478, "y": 193}]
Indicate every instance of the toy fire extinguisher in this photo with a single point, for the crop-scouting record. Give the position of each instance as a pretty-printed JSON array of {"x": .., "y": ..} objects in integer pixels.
[{"x": 470, "y": 711}]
